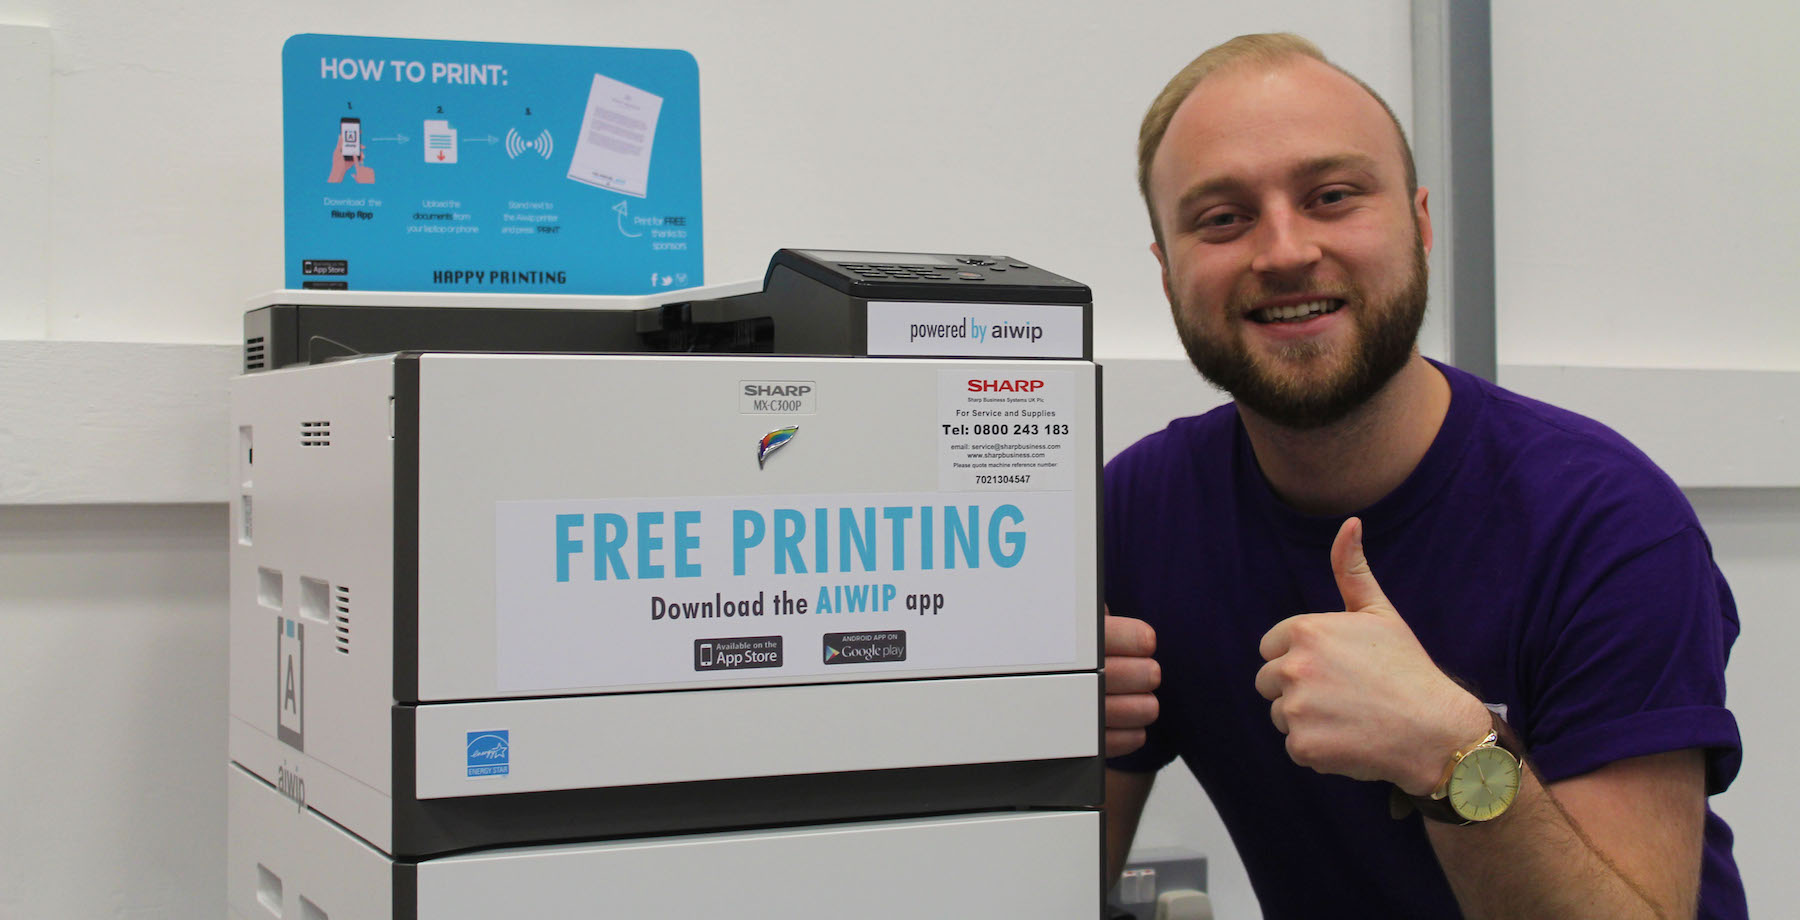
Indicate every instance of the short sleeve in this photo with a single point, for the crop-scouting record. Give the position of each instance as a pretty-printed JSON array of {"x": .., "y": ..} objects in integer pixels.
[{"x": 1636, "y": 666}]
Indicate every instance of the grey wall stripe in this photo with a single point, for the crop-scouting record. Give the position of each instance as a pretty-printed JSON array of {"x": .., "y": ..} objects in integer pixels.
[{"x": 1453, "y": 143}]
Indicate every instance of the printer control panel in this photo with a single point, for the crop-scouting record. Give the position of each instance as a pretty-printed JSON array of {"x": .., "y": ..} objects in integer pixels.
[{"x": 883, "y": 274}]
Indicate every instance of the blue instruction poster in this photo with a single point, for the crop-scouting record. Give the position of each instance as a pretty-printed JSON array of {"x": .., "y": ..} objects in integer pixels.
[{"x": 443, "y": 166}]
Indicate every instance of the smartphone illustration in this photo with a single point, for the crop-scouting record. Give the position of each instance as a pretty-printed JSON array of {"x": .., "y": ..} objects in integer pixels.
[
  {"x": 350, "y": 133},
  {"x": 706, "y": 654}
]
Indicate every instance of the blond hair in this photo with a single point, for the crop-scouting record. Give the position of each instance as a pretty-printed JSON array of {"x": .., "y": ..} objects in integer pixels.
[{"x": 1267, "y": 50}]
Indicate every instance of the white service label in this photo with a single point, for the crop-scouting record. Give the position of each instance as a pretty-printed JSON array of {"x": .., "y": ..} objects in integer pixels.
[
  {"x": 628, "y": 592},
  {"x": 1010, "y": 429},
  {"x": 989, "y": 330}
]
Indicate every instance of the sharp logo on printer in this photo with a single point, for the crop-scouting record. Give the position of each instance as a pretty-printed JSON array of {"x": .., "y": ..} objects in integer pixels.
[
  {"x": 777, "y": 397},
  {"x": 1005, "y": 386},
  {"x": 776, "y": 389}
]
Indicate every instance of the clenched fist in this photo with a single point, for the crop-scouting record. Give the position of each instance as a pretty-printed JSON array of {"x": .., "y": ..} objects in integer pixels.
[{"x": 1132, "y": 677}]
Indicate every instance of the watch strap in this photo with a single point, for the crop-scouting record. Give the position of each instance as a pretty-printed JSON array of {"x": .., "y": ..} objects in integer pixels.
[{"x": 1439, "y": 810}]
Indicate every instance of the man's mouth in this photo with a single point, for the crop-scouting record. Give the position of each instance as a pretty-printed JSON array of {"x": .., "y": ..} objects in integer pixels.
[{"x": 1295, "y": 313}]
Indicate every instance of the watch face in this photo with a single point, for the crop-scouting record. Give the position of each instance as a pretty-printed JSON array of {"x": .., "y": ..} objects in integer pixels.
[{"x": 1484, "y": 784}]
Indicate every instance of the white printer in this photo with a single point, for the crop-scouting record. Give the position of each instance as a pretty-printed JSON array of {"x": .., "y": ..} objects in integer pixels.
[{"x": 781, "y": 604}]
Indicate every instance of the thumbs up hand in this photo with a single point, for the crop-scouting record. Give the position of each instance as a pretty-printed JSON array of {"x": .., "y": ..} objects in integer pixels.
[{"x": 1354, "y": 691}]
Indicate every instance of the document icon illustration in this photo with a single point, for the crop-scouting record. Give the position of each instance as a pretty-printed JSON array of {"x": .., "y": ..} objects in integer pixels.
[
  {"x": 440, "y": 142},
  {"x": 616, "y": 136}
]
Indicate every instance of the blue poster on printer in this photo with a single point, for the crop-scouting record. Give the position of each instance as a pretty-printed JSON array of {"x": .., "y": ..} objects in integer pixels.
[{"x": 459, "y": 167}]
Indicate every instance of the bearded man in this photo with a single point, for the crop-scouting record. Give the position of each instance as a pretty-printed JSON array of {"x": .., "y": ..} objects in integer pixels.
[{"x": 1431, "y": 647}]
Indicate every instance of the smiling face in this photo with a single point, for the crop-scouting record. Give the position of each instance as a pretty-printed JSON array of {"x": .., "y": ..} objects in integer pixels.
[{"x": 1293, "y": 256}]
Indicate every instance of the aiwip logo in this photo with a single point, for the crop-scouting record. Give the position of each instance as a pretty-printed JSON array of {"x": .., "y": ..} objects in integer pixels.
[
  {"x": 490, "y": 753},
  {"x": 773, "y": 441}
]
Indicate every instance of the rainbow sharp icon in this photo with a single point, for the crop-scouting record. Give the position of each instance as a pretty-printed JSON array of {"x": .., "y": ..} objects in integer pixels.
[{"x": 772, "y": 442}]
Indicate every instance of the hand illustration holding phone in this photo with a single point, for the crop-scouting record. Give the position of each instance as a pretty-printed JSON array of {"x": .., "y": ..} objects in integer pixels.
[{"x": 347, "y": 156}]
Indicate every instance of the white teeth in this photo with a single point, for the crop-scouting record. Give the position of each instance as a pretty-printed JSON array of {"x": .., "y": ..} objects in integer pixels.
[{"x": 1278, "y": 314}]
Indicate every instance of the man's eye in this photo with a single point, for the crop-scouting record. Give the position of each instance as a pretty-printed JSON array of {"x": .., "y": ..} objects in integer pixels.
[
  {"x": 1215, "y": 221},
  {"x": 1333, "y": 196}
]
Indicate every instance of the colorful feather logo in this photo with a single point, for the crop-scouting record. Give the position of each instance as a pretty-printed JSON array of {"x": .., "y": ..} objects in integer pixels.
[{"x": 772, "y": 442}]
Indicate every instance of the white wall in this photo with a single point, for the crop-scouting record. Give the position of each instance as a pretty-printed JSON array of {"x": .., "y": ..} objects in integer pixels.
[
  {"x": 1755, "y": 533},
  {"x": 1646, "y": 203},
  {"x": 112, "y": 677}
]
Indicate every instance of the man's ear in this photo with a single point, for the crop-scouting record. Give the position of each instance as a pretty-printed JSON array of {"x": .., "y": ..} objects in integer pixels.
[
  {"x": 1162, "y": 263},
  {"x": 1422, "y": 214}
]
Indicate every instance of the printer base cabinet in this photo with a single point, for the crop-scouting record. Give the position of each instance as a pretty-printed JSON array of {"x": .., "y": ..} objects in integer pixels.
[{"x": 288, "y": 862}]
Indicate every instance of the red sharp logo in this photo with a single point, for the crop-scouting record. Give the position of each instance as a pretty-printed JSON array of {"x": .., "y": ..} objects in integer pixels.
[{"x": 1005, "y": 386}]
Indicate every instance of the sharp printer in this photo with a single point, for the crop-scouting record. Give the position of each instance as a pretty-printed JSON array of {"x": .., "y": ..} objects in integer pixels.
[{"x": 774, "y": 600}]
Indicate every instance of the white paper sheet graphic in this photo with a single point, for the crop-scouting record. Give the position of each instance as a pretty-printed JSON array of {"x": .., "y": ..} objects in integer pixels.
[
  {"x": 440, "y": 142},
  {"x": 616, "y": 136}
]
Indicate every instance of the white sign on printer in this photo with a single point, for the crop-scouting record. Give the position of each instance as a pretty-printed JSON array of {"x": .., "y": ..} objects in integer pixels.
[
  {"x": 1006, "y": 431},
  {"x": 1000, "y": 330},
  {"x": 628, "y": 592}
]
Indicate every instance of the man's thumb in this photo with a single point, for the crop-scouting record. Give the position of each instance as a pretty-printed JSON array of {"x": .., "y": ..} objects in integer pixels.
[{"x": 1355, "y": 581}]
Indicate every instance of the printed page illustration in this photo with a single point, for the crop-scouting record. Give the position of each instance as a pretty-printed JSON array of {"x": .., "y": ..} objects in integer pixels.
[{"x": 616, "y": 137}]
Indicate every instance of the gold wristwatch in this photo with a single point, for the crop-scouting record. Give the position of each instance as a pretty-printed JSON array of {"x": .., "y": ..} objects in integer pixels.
[{"x": 1481, "y": 781}]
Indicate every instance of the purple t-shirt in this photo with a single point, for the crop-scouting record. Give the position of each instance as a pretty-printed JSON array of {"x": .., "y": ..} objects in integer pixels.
[{"x": 1537, "y": 555}]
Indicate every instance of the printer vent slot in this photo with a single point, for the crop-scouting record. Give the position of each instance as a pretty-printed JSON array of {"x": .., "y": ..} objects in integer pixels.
[
  {"x": 268, "y": 890},
  {"x": 255, "y": 354},
  {"x": 340, "y": 614},
  {"x": 315, "y": 434}
]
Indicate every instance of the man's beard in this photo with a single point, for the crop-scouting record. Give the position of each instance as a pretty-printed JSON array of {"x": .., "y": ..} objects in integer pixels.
[{"x": 1387, "y": 332}]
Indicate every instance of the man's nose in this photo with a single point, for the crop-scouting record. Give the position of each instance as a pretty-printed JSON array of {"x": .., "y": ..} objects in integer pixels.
[{"x": 1284, "y": 244}]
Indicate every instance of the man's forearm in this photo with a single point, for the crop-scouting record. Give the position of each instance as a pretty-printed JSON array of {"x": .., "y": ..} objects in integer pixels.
[
  {"x": 1539, "y": 861},
  {"x": 1126, "y": 794}
]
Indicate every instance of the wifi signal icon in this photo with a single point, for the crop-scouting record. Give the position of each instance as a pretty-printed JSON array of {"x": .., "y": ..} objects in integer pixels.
[{"x": 516, "y": 145}]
